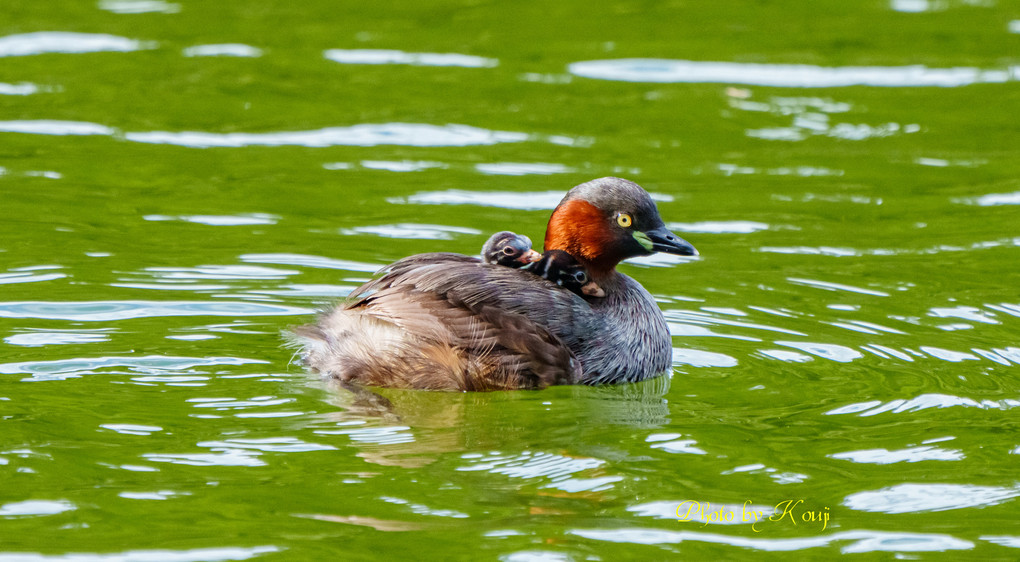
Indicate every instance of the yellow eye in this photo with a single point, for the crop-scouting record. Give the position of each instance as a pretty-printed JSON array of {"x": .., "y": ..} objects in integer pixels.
[{"x": 624, "y": 220}]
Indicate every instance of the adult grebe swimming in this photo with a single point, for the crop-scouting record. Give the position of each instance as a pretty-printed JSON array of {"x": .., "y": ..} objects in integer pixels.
[{"x": 446, "y": 321}]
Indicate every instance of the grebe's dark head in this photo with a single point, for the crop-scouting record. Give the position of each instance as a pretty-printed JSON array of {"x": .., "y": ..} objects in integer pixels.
[{"x": 605, "y": 221}]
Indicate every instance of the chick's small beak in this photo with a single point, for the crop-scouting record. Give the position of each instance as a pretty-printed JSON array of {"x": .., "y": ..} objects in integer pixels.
[
  {"x": 529, "y": 256},
  {"x": 665, "y": 241}
]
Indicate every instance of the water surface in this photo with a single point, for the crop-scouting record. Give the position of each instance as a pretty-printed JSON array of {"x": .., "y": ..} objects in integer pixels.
[{"x": 182, "y": 181}]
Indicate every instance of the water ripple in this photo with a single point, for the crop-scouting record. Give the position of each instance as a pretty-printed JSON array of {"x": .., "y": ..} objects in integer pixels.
[
  {"x": 424, "y": 509},
  {"x": 786, "y": 75},
  {"x": 784, "y": 355},
  {"x": 269, "y": 445},
  {"x": 385, "y": 56},
  {"x": 699, "y": 358},
  {"x": 913, "y": 454},
  {"x": 525, "y": 201},
  {"x": 921, "y": 498},
  {"x": 522, "y": 168},
  {"x": 862, "y": 541},
  {"x": 232, "y": 404},
  {"x": 401, "y": 134},
  {"x": 672, "y": 442},
  {"x": 719, "y": 227},
  {"x": 103, "y": 311},
  {"x": 152, "y": 364},
  {"x": 157, "y": 495},
  {"x": 843, "y": 252},
  {"x": 660, "y": 259},
  {"x": 728, "y": 169},
  {"x": 139, "y": 6},
  {"x": 307, "y": 290},
  {"x": 38, "y": 339},
  {"x": 922, "y": 402},
  {"x": 223, "y": 50},
  {"x": 215, "y": 554},
  {"x": 28, "y": 277},
  {"x": 222, "y": 457},
  {"x": 366, "y": 134},
  {"x": 312, "y": 261},
  {"x": 993, "y": 199},
  {"x": 399, "y": 166},
  {"x": 831, "y": 351},
  {"x": 241, "y": 219},
  {"x": 219, "y": 272},
  {"x": 20, "y": 89},
  {"x": 965, "y": 313},
  {"x": 55, "y": 127},
  {"x": 1012, "y": 542},
  {"x": 32, "y": 508},
  {"x": 131, "y": 429},
  {"x": 773, "y": 473},
  {"x": 707, "y": 318},
  {"x": 41, "y": 42},
  {"x": 411, "y": 231},
  {"x": 830, "y": 286},
  {"x": 383, "y": 435},
  {"x": 559, "y": 469}
]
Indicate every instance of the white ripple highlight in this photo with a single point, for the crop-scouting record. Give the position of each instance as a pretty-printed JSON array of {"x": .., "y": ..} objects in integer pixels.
[
  {"x": 719, "y": 227},
  {"x": 41, "y": 42},
  {"x": 829, "y": 286},
  {"x": 922, "y": 402},
  {"x": 35, "y": 508},
  {"x": 55, "y": 127},
  {"x": 788, "y": 75},
  {"x": 105, "y": 311},
  {"x": 388, "y": 56},
  {"x": 365, "y": 134},
  {"x": 63, "y": 369},
  {"x": 242, "y": 219},
  {"x": 403, "y": 134},
  {"x": 921, "y": 498},
  {"x": 139, "y": 6},
  {"x": 831, "y": 351},
  {"x": 526, "y": 201},
  {"x": 411, "y": 231},
  {"x": 223, "y": 50},
  {"x": 859, "y": 541},
  {"x": 993, "y": 199},
  {"x": 913, "y": 454},
  {"x": 20, "y": 89},
  {"x": 522, "y": 168},
  {"x": 216, "y": 554}
]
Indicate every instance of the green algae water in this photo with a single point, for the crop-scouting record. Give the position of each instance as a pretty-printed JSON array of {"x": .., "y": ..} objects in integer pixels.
[{"x": 182, "y": 181}]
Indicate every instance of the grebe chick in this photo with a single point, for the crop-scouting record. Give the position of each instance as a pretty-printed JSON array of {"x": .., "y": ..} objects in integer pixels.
[
  {"x": 509, "y": 249},
  {"x": 561, "y": 268}
]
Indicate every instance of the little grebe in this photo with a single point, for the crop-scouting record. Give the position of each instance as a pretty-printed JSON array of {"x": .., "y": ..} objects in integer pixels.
[
  {"x": 509, "y": 249},
  {"x": 564, "y": 270},
  {"x": 446, "y": 321}
]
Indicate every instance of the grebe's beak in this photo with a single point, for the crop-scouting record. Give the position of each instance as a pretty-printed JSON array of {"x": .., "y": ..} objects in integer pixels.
[{"x": 662, "y": 240}]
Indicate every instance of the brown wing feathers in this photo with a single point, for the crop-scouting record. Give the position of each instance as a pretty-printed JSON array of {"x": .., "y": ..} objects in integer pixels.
[{"x": 434, "y": 325}]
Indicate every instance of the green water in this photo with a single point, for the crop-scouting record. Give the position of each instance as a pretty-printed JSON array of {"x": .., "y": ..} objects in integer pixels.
[{"x": 848, "y": 336}]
